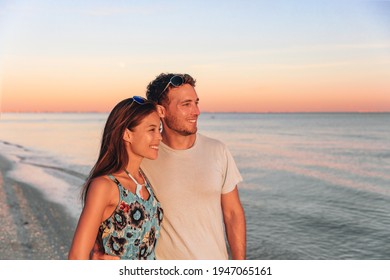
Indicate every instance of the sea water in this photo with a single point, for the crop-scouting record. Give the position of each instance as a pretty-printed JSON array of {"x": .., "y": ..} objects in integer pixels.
[{"x": 316, "y": 185}]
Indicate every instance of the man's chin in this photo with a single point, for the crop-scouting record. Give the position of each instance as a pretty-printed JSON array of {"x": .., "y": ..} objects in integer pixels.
[{"x": 189, "y": 132}]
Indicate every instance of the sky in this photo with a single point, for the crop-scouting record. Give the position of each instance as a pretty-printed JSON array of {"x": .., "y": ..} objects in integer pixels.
[{"x": 246, "y": 55}]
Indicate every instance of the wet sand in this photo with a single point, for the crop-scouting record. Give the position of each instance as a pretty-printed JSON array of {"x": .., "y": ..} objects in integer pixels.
[{"x": 33, "y": 228}]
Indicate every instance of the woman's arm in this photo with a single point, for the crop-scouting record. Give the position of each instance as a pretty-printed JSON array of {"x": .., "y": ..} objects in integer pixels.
[{"x": 101, "y": 200}]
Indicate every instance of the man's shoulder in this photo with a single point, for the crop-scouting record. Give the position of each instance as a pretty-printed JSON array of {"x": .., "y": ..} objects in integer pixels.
[{"x": 209, "y": 141}]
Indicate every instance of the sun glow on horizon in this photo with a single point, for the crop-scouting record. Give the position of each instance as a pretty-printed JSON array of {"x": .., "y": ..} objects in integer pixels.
[{"x": 327, "y": 56}]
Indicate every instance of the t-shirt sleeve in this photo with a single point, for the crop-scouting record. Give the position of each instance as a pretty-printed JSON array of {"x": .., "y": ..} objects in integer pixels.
[{"x": 232, "y": 174}]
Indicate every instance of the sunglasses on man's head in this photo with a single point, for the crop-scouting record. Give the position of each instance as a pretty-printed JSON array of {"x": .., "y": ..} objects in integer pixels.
[{"x": 175, "y": 81}]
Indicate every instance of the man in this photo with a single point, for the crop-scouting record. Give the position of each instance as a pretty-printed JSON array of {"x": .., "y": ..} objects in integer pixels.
[{"x": 195, "y": 178}]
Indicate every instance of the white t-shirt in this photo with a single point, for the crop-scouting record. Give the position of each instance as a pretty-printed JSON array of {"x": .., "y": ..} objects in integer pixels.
[{"x": 189, "y": 184}]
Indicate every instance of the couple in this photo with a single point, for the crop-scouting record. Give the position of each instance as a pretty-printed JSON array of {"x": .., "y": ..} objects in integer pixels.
[{"x": 194, "y": 178}]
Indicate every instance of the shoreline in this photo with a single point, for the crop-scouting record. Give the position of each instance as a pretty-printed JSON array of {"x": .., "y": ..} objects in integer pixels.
[{"x": 33, "y": 227}]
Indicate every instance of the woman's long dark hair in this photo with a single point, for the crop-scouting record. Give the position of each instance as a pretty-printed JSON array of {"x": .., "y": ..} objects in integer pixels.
[{"x": 113, "y": 156}]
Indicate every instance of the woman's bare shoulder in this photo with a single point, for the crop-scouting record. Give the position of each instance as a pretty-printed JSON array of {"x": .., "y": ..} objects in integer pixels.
[{"x": 104, "y": 188}]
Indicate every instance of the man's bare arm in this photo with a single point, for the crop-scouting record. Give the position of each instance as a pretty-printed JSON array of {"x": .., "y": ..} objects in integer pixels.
[{"x": 235, "y": 224}]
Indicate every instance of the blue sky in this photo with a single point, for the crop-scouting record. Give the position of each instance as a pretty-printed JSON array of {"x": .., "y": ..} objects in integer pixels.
[{"x": 281, "y": 48}]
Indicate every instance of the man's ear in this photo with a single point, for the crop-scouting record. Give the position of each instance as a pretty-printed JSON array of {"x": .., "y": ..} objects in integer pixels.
[
  {"x": 161, "y": 111},
  {"x": 127, "y": 135}
]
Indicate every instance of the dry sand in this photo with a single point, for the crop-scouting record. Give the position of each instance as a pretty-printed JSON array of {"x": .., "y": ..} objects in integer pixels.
[{"x": 33, "y": 228}]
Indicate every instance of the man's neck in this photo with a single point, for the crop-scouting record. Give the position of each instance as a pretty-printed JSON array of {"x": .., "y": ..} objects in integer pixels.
[{"x": 178, "y": 142}]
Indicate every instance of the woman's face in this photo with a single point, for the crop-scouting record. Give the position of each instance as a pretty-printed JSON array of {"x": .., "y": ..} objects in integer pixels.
[{"x": 145, "y": 138}]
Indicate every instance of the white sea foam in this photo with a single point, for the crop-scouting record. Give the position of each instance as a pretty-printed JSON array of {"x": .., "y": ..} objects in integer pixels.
[
  {"x": 52, "y": 187},
  {"x": 37, "y": 172}
]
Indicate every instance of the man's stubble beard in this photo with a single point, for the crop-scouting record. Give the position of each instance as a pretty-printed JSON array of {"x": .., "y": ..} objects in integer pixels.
[{"x": 174, "y": 124}]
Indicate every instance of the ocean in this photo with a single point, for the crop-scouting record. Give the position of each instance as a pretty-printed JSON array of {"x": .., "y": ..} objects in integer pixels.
[{"x": 316, "y": 185}]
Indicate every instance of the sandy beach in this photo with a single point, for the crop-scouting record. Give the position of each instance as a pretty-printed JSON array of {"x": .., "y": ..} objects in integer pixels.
[{"x": 33, "y": 228}]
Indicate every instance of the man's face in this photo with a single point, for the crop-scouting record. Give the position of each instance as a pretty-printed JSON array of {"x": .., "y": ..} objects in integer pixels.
[{"x": 181, "y": 115}]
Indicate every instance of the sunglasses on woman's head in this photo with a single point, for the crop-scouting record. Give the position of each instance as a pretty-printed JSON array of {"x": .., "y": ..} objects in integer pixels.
[
  {"x": 139, "y": 99},
  {"x": 175, "y": 81}
]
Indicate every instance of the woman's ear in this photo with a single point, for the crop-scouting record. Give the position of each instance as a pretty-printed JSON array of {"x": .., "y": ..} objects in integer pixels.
[
  {"x": 127, "y": 135},
  {"x": 161, "y": 111}
]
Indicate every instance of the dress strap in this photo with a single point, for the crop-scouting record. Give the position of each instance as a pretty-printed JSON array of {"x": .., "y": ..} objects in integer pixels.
[
  {"x": 116, "y": 181},
  {"x": 147, "y": 182}
]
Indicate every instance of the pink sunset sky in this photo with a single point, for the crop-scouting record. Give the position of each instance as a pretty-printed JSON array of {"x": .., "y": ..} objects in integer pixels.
[{"x": 247, "y": 56}]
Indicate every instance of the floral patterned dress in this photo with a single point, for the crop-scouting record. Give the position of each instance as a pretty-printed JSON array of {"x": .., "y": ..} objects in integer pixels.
[{"x": 131, "y": 232}]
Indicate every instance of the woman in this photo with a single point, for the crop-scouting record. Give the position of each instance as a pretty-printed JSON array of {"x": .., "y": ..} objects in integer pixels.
[{"x": 120, "y": 208}]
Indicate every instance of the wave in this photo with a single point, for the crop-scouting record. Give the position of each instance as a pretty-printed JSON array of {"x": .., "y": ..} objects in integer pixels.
[{"x": 54, "y": 178}]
